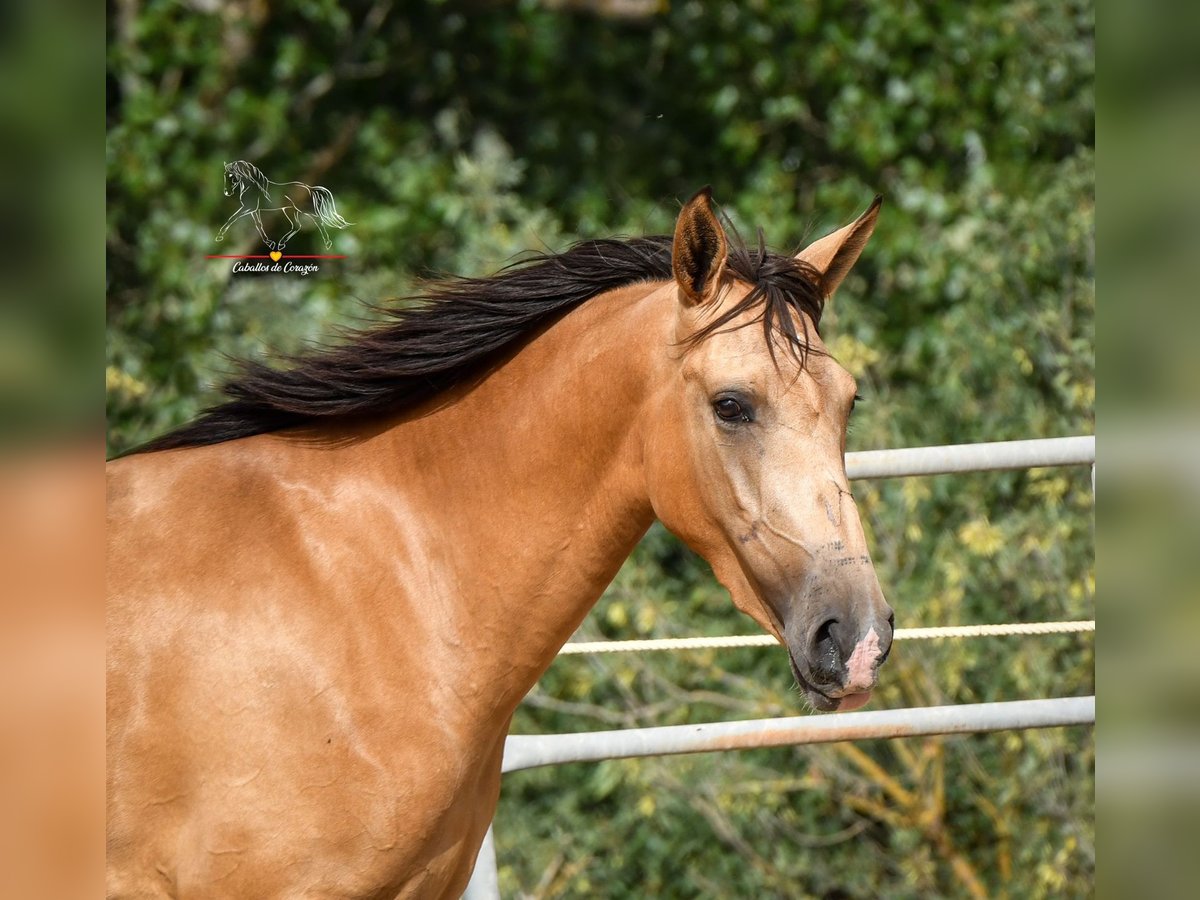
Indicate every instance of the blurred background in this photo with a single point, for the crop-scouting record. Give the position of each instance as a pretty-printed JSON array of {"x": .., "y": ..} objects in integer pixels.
[{"x": 455, "y": 135}]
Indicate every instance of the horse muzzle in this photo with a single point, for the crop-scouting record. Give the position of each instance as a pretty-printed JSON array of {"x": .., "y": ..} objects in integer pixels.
[{"x": 837, "y": 662}]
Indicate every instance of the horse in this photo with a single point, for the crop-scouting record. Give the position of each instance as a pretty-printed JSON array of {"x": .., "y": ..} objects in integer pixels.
[
  {"x": 294, "y": 199},
  {"x": 329, "y": 593}
]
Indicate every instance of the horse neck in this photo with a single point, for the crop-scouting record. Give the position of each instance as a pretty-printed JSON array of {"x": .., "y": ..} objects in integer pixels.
[
  {"x": 260, "y": 183},
  {"x": 532, "y": 481}
]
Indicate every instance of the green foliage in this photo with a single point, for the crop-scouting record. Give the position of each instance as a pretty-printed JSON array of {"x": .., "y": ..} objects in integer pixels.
[{"x": 455, "y": 135}]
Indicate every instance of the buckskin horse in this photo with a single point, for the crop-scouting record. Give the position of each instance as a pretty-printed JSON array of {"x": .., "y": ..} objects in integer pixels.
[{"x": 328, "y": 594}]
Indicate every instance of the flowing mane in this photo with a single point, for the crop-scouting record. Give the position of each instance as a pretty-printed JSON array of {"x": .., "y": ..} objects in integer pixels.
[
  {"x": 252, "y": 173},
  {"x": 462, "y": 326}
]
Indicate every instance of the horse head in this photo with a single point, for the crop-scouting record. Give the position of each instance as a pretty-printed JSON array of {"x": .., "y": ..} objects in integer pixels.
[
  {"x": 746, "y": 458},
  {"x": 233, "y": 180}
]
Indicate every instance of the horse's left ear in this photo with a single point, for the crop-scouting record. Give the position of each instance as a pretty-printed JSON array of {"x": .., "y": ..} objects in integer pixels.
[
  {"x": 835, "y": 255},
  {"x": 699, "y": 250}
]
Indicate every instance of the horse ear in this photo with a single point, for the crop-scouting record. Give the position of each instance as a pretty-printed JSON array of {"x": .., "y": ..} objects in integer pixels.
[
  {"x": 835, "y": 254},
  {"x": 699, "y": 250}
]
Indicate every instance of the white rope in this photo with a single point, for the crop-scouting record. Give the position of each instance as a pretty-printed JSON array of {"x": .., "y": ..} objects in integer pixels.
[{"x": 766, "y": 640}]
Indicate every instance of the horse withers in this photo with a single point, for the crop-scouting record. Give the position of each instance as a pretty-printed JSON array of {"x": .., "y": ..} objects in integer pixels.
[{"x": 328, "y": 594}]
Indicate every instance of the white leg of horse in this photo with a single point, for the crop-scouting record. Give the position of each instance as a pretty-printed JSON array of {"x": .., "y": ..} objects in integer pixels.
[
  {"x": 324, "y": 233},
  {"x": 257, "y": 217},
  {"x": 242, "y": 211},
  {"x": 293, "y": 217}
]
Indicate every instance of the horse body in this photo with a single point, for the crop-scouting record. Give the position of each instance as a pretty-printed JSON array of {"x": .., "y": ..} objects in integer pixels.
[{"x": 317, "y": 646}]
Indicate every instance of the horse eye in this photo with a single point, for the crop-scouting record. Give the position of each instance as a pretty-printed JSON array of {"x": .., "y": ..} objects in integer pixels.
[{"x": 729, "y": 410}]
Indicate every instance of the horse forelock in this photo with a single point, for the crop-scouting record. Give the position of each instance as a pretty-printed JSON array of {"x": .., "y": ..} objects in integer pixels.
[{"x": 785, "y": 297}]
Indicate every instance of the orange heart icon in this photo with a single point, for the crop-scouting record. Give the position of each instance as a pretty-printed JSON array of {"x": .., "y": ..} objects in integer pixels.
[{"x": 276, "y": 255}]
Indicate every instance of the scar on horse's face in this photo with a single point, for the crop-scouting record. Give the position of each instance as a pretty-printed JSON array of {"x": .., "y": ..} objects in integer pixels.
[{"x": 757, "y": 481}]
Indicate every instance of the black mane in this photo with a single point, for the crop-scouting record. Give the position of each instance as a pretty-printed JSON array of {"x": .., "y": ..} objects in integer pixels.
[{"x": 462, "y": 326}]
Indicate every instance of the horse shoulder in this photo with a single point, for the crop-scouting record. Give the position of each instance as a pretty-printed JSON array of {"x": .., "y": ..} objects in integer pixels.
[{"x": 259, "y": 676}]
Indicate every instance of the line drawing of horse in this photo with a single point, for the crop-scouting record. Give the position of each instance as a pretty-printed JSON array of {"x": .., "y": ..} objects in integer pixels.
[{"x": 294, "y": 199}]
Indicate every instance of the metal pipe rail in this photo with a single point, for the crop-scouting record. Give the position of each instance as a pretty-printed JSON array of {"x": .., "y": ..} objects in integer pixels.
[
  {"x": 997, "y": 455},
  {"x": 531, "y": 751},
  {"x": 523, "y": 751}
]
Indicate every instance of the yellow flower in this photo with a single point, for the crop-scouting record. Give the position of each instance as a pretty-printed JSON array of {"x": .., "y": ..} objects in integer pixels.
[
  {"x": 981, "y": 537},
  {"x": 853, "y": 353},
  {"x": 117, "y": 381}
]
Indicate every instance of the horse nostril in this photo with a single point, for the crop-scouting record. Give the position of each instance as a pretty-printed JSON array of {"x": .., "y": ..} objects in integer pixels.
[
  {"x": 887, "y": 647},
  {"x": 824, "y": 631},
  {"x": 825, "y": 657}
]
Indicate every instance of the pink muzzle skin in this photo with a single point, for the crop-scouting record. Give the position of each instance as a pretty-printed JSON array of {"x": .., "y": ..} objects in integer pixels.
[{"x": 860, "y": 669}]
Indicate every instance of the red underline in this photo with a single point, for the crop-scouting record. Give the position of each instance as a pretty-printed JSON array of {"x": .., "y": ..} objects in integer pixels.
[{"x": 265, "y": 256}]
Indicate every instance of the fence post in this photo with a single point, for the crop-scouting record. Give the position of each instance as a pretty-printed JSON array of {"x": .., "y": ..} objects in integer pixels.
[{"x": 485, "y": 880}]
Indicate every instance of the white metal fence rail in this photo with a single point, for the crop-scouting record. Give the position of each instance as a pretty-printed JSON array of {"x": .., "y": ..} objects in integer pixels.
[
  {"x": 530, "y": 751},
  {"x": 988, "y": 457}
]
